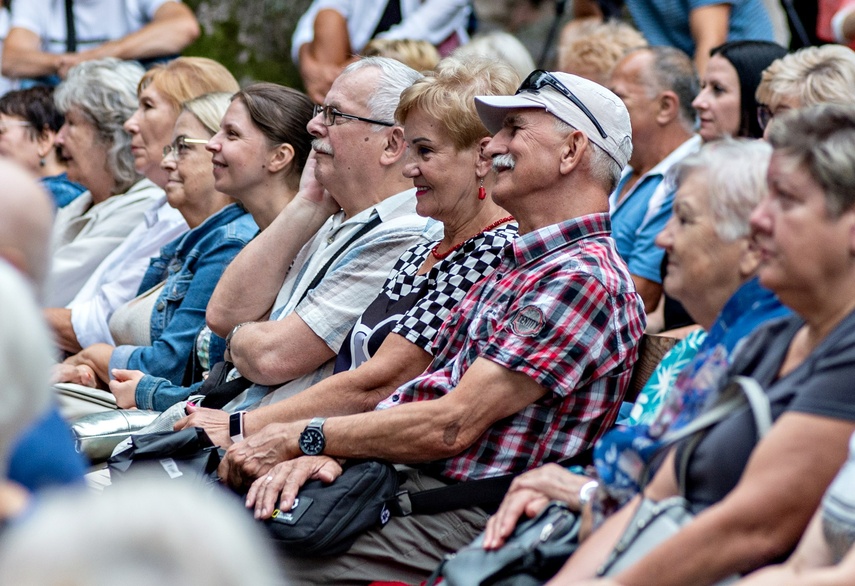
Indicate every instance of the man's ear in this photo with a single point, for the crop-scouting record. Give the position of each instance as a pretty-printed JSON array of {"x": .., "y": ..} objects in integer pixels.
[
  {"x": 572, "y": 151},
  {"x": 282, "y": 156},
  {"x": 668, "y": 108},
  {"x": 394, "y": 147},
  {"x": 485, "y": 163}
]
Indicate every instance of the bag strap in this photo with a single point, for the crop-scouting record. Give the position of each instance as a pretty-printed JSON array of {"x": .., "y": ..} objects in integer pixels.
[
  {"x": 375, "y": 221},
  {"x": 70, "y": 30}
]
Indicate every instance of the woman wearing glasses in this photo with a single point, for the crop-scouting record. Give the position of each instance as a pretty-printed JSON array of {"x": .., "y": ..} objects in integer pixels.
[
  {"x": 29, "y": 121},
  {"x": 156, "y": 330}
]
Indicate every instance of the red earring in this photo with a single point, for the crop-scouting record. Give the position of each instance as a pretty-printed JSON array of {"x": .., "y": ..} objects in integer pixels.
[{"x": 482, "y": 193}]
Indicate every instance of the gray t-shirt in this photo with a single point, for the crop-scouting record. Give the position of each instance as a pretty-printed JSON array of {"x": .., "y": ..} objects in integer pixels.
[{"x": 821, "y": 385}]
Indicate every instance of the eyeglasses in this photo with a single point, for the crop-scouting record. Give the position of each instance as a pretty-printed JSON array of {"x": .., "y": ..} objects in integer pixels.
[
  {"x": 4, "y": 125},
  {"x": 330, "y": 114},
  {"x": 180, "y": 145},
  {"x": 765, "y": 114},
  {"x": 538, "y": 79}
]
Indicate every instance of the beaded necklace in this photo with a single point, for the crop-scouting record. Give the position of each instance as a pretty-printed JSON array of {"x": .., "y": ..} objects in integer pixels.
[{"x": 442, "y": 255}]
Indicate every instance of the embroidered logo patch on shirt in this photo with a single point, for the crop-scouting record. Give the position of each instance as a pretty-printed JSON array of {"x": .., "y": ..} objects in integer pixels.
[{"x": 528, "y": 321}]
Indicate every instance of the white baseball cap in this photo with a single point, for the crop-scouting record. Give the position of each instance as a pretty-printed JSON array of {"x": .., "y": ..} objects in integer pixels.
[{"x": 581, "y": 103}]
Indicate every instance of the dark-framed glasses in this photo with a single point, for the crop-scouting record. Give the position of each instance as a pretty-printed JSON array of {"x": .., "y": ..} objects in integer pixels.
[
  {"x": 6, "y": 124},
  {"x": 765, "y": 114},
  {"x": 329, "y": 115},
  {"x": 538, "y": 79},
  {"x": 180, "y": 145}
]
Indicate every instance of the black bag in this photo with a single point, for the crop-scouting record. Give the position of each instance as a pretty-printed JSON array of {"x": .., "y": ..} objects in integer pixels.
[
  {"x": 327, "y": 518},
  {"x": 187, "y": 454},
  {"x": 533, "y": 553}
]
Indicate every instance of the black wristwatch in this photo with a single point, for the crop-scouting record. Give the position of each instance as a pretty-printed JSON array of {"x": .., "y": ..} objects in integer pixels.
[
  {"x": 312, "y": 440},
  {"x": 236, "y": 426}
]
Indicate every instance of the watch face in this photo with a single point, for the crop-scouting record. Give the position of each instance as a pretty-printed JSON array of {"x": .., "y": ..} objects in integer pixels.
[{"x": 312, "y": 442}]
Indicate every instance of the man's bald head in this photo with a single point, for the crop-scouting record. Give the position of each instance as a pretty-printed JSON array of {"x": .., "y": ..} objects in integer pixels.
[{"x": 26, "y": 218}]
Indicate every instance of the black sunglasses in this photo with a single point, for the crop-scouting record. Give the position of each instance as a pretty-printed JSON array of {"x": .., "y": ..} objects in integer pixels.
[{"x": 539, "y": 78}]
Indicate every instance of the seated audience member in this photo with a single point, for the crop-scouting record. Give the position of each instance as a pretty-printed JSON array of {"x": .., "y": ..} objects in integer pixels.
[
  {"x": 592, "y": 49},
  {"x": 418, "y": 55},
  {"x": 825, "y": 555},
  {"x": 170, "y": 310},
  {"x": 138, "y": 533},
  {"x": 497, "y": 398},
  {"x": 30, "y": 120},
  {"x": 498, "y": 45},
  {"x": 810, "y": 76},
  {"x": 726, "y": 104},
  {"x": 711, "y": 270},
  {"x": 288, "y": 300},
  {"x": 393, "y": 341},
  {"x": 756, "y": 501},
  {"x": 695, "y": 27},
  {"x": 44, "y": 454},
  {"x": 25, "y": 358},
  {"x": 41, "y": 44},
  {"x": 97, "y": 98},
  {"x": 329, "y": 34},
  {"x": 161, "y": 91},
  {"x": 657, "y": 86}
]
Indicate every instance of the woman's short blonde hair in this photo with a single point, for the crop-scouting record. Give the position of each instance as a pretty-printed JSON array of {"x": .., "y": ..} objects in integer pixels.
[
  {"x": 420, "y": 55},
  {"x": 209, "y": 109},
  {"x": 447, "y": 94},
  {"x": 813, "y": 75},
  {"x": 592, "y": 49},
  {"x": 185, "y": 78}
]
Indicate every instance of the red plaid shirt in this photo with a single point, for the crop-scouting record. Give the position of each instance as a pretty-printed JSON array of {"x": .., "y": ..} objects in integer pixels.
[{"x": 560, "y": 308}]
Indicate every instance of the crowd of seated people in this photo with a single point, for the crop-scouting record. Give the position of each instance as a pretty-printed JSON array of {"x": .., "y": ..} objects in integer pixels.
[{"x": 451, "y": 266}]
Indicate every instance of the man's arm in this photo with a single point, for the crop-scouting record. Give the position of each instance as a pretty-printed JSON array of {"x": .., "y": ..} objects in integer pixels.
[
  {"x": 59, "y": 320},
  {"x": 23, "y": 55},
  {"x": 650, "y": 292},
  {"x": 422, "y": 431},
  {"x": 708, "y": 26}
]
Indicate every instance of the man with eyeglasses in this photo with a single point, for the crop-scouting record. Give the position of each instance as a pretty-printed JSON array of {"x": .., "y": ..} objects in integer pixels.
[
  {"x": 529, "y": 368},
  {"x": 288, "y": 300}
]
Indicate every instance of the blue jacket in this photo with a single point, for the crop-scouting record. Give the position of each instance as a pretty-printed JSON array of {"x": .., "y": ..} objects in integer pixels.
[{"x": 191, "y": 265}]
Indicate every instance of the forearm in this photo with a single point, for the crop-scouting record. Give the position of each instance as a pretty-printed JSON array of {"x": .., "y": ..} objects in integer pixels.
[
  {"x": 346, "y": 393},
  {"x": 172, "y": 29},
  {"x": 709, "y": 26},
  {"x": 59, "y": 319},
  {"x": 250, "y": 284},
  {"x": 23, "y": 57}
]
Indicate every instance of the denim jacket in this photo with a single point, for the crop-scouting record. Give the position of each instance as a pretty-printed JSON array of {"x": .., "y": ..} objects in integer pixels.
[{"x": 191, "y": 265}]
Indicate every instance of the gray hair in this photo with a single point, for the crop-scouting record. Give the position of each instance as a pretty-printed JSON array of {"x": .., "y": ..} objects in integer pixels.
[
  {"x": 209, "y": 109},
  {"x": 735, "y": 172},
  {"x": 25, "y": 359},
  {"x": 672, "y": 70},
  {"x": 105, "y": 91},
  {"x": 136, "y": 534},
  {"x": 604, "y": 169},
  {"x": 395, "y": 77},
  {"x": 822, "y": 139}
]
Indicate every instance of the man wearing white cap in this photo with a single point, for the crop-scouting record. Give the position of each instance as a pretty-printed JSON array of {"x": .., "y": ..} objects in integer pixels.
[{"x": 529, "y": 368}]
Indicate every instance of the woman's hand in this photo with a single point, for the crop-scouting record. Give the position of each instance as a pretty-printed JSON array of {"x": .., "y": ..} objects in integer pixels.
[
  {"x": 124, "y": 387},
  {"x": 97, "y": 357},
  {"x": 529, "y": 494},
  {"x": 77, "y": 374}
]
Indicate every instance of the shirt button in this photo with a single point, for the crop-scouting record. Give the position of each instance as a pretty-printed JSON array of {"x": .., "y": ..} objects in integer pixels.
[
  {"x": 331, "y": 239},
  {"x": 160, "y": 305},
  {"x": 396, "y": 398}
]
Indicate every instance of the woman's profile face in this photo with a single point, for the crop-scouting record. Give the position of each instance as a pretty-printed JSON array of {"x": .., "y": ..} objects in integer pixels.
[
  {"x": 190, "y": 178},
  {"x": 445, "y": 179},
  {"x": 84, "y": 150},
  {"x": 150, "y": 128},
  {"x": 18, "y": 142},
  {"x": 700, "y": 263},
  {"x": 802, "y": 246},
  {"x": 240, "y": 152},
  {"x": 719, "y": 103}
]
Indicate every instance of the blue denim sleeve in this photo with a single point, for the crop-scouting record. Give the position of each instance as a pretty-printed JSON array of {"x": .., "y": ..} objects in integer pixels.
[{"x": 160, "y": 394}]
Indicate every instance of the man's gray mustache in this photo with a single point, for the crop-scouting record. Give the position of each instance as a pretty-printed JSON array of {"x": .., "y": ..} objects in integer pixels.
[
  {"x": 322, "y": 147},
  {"x": 505, "y": 161}
]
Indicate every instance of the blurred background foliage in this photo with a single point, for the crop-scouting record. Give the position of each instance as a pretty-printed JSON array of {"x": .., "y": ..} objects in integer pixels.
[{"x": 251, "y": 37}]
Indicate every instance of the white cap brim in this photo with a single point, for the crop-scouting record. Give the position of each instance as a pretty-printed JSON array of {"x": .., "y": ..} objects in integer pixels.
[{"x": 493, "y": 109}]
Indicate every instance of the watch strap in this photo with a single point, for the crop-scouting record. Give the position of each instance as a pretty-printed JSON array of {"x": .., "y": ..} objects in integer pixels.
[{"x": 236, "y": 426}]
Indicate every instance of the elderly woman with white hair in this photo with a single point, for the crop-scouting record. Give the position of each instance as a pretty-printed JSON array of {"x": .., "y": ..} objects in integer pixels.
[
  {"x": 25, "y": 359},
  {"x": 810, "y": 76},
  {"x": 96, "y": 98}
]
